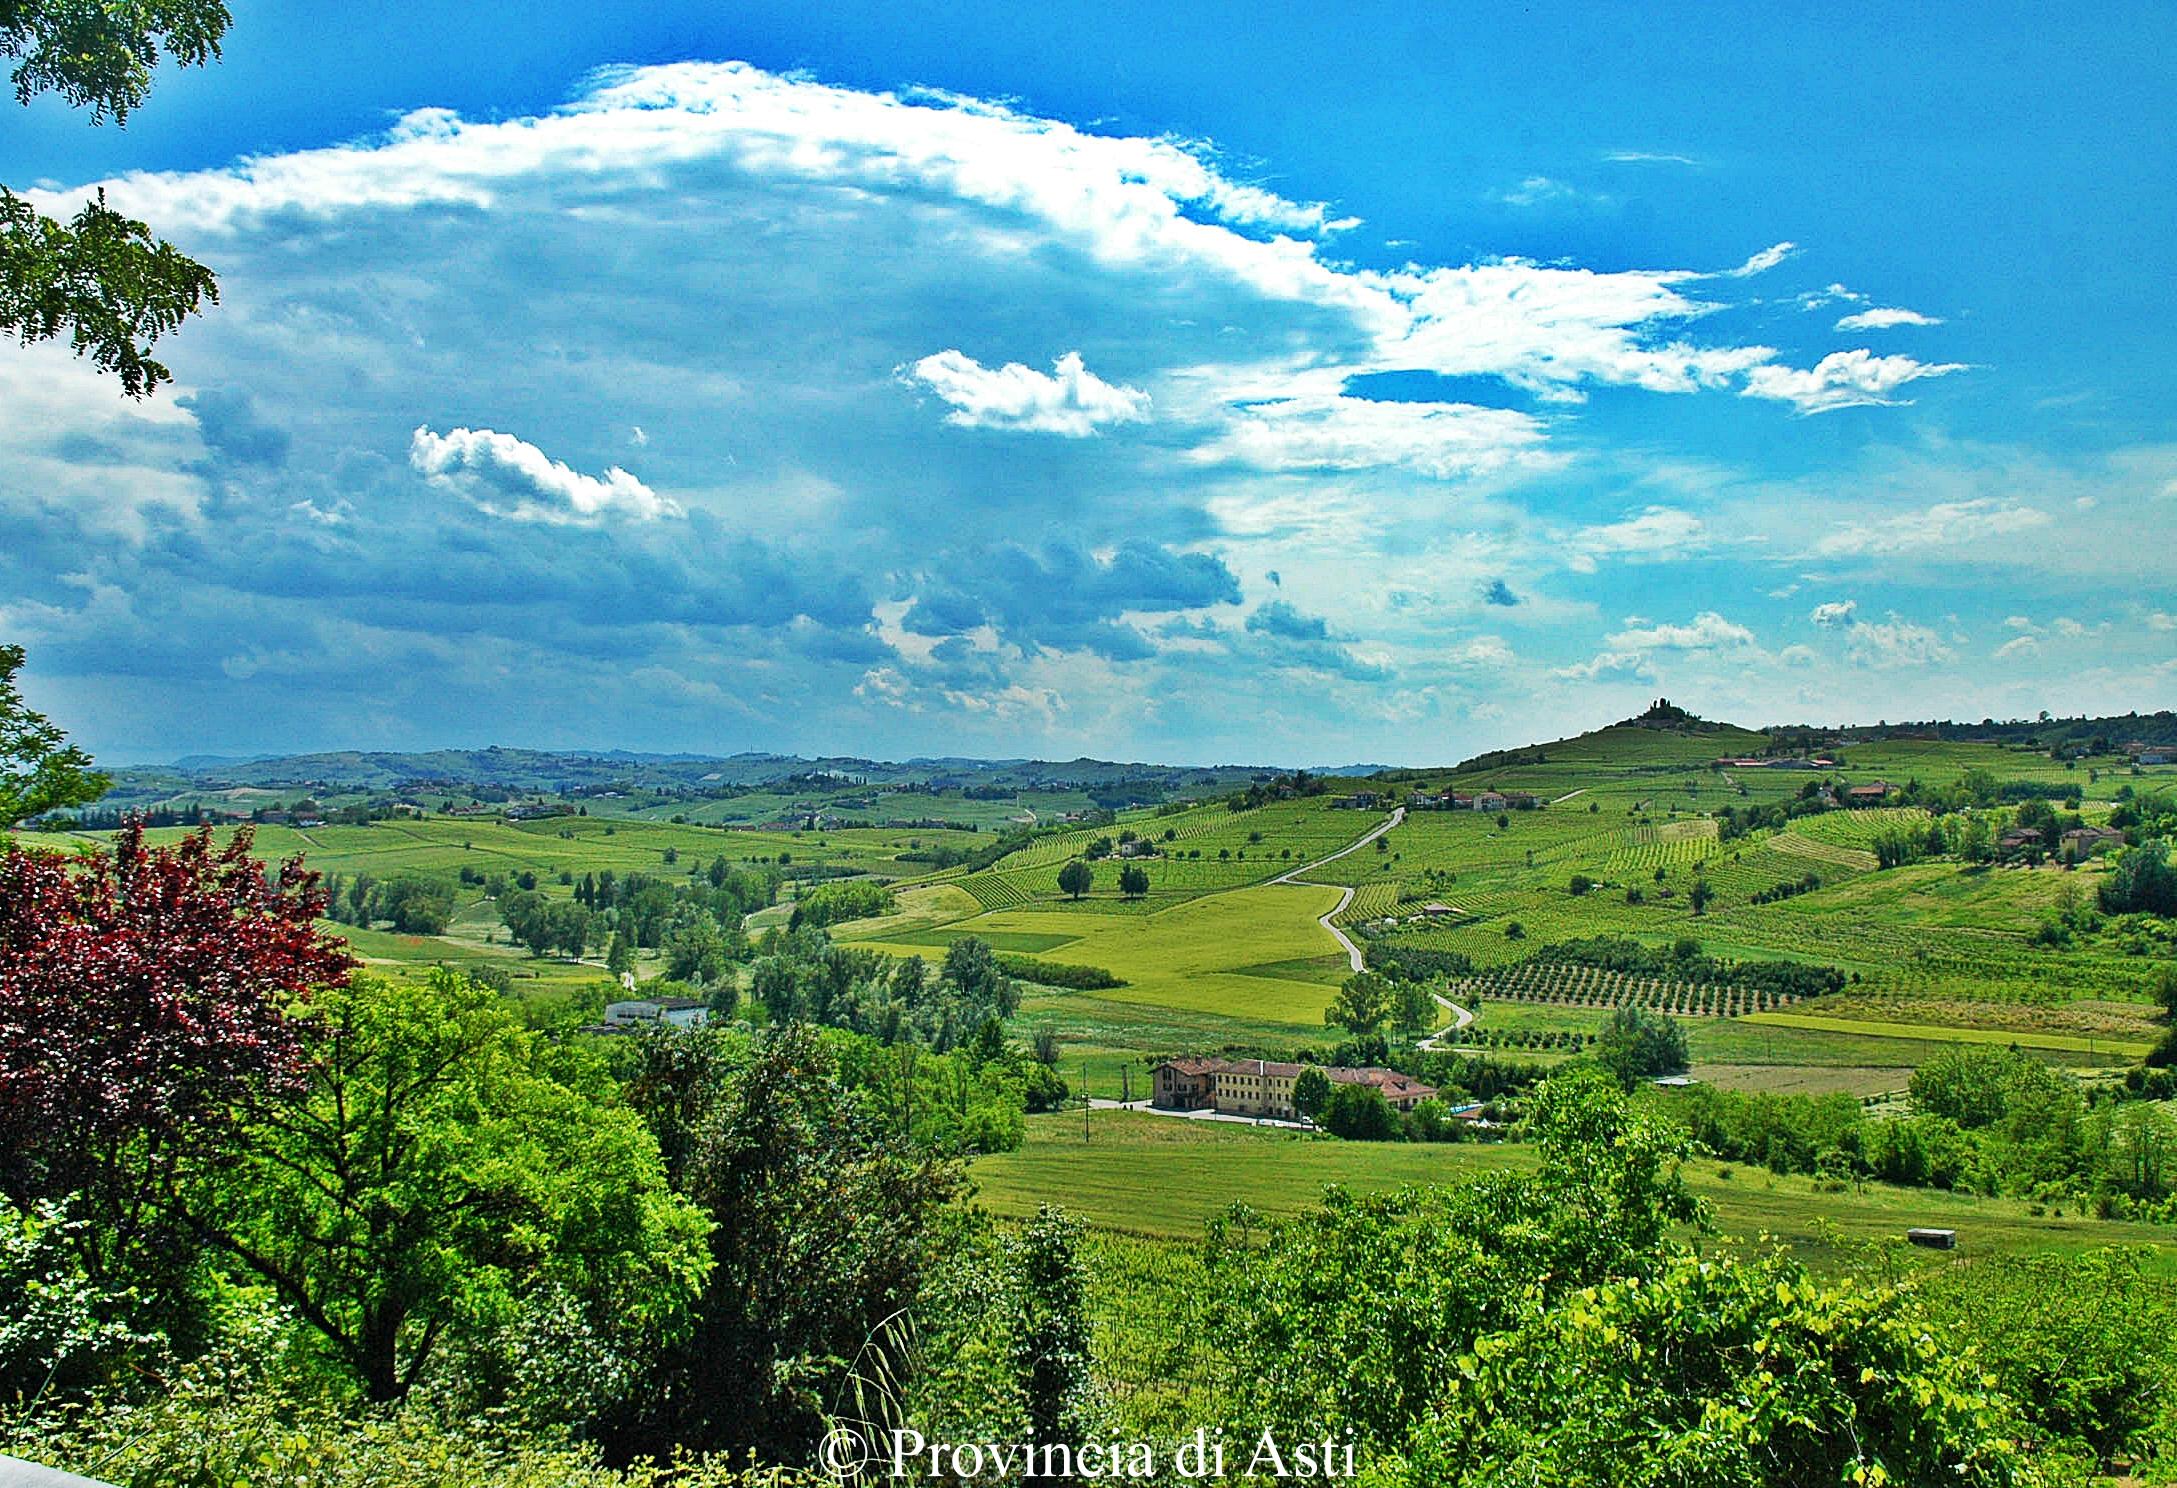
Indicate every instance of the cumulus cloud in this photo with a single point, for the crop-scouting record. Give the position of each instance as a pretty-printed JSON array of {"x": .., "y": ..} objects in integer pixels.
[
  {"x": 1879, "y": 644},
  {"x": 1882, "y": 318},
  {"x": 1659, "y": 532},
  {"x": 1158, "y": 206},
  {"x": 1947, "y": 524},
  {"x": 1068, "y": 400},
  {"x": 1441, "y": 440},
  {"x": 725, "y": 277},
  {"x": 1843, "y": 379},
  {"x": 509, "y": 477},
  {"x": 1537, "y": 191},
  {"x": 1767, "y": 259},
  {"x": 1708, "y": 631}
]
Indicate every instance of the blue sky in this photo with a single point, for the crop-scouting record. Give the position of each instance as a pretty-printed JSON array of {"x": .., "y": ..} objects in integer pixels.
[{"x": 1191, "y": 383}]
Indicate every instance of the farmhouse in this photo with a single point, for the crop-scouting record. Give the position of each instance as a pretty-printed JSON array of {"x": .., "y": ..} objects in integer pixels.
[
  {"x": 674, "y": 1012},
  {"x": 1871, "y": 794},
  {"x": 1264, "y": 1087},
  {"x": 2019, "y": 842},
  {"x": 2083, "y": 842}
]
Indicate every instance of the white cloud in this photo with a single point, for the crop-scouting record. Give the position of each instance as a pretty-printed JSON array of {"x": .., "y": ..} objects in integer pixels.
[
  {"x": 1767, "y": 259},
  {"x": 508, "y": 477},
  {"x": 1843, "y": 379},
  {"x": 1947, "y": 525},
  {"x": 1534, "y": 191},
  {"x": 1649, "y": 157},
  {"x": 1659, "y": 532},
  {"x": 1708, "y": 631},
  {"x": 2161, "y": 620},
  {"x": 1149, "y": 204},
  {"x": 1882, "y": 318},
  {"x": 1442, "y": 440},
  {"x": 1482, "y": 651},
  {"x": 1834, "y": 613},
  {"x": 1893, "y": 642},
  {"x": 1068, "y": 400}
]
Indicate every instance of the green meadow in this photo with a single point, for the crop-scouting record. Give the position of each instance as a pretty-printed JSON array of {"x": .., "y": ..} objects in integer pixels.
[{"x": 1163, "y": 1178}]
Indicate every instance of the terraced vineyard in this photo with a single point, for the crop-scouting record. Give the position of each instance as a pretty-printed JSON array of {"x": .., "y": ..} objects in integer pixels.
[
  {"x": 1571, "y": 985},
  {"x": 1370, "y": 901}
]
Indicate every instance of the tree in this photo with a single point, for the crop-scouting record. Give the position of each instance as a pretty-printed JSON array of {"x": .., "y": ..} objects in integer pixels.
[
  {"x": 2142, "y": 880},
  {"x": 1359, "y": 1113},
  {"x": 1050, "y": 1325},
  {"x": 528, "y": 918},
  {"x": 39, "y": 770},
  {"x": 439, "y": 1165},
  {"x": 1133, "y": 881},
  {"x": 1075, "y": 878},
  {"x": 416, "y": 906},
  {"x": 143, "y": 996},
  {"x": 824, "y": 1220},
  {"x": 568, "y": 926},
  {"x": 620, "y": 959},
  {"x": 695, "y": 951},
  {"x": 1311, "y": 1092},
  {"x": 1638, "y": 1045},
  {"x": 1412, "y": 1007},
  {"x": 1700, "y": 894},
  {"x": 1362, "y": 1004},
  {"x": 100, "y": 277}
]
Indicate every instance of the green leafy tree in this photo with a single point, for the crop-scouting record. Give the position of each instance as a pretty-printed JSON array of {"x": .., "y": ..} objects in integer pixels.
[
  {"x": 1133, "y": 881},
  {"x": 1362, "y": 1005},
  {"x": 1359, "y": 1113},
  {"x": 824, "y": 1221},
  {"x": 39, "y": 770},
  {"x": 1639, "y": 1045},
  {"x": 100, "y": 277},
  {"x": 2142, "y": 880},
  {"x": 440, "y": 1165},
  {"x": 1050, "y": 1332},
  {"x": 1075, "y": 878},
  {"x": 695, "y": 951},
  {"x": 416, "y": 906},
  {"x": 1412, "y": 1007},
  {"x": 1311, "y": 1092}
]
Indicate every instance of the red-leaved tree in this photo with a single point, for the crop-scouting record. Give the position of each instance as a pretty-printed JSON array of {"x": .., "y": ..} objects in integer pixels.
[{"x": 143, "y": 1001}]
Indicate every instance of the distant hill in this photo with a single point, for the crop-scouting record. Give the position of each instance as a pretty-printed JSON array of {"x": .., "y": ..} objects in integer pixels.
[
  {"x": 498, "y": 772},
  {"x": 2096, "y": 735}
]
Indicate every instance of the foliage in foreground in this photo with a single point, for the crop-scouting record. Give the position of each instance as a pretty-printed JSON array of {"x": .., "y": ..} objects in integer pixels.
[{"x": 1548, "y": 1329}]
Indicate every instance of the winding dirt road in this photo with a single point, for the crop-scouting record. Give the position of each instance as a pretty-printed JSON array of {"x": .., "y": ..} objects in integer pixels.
[{"x": 1345, "y": 897}]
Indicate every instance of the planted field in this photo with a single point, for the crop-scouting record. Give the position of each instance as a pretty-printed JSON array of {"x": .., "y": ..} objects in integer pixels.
[
  {"x": 1163, "y": 1178},
  {"x": 1933, "y": 1033},
  {"x": 1574, "y": 985},
  {"x": 1188, "y": 957}
]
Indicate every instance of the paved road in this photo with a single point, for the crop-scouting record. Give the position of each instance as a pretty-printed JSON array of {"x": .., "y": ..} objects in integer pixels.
[
  {"x": 1345, "y": 897},
  {"x": 1460, "y": 1018},
  {"x": 1098, "y": 1103}
]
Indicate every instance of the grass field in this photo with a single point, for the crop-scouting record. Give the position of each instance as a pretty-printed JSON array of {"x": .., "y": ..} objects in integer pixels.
[
  {"x": 1162, "y": 1177},
  {"x": 1230, "y": 954}
]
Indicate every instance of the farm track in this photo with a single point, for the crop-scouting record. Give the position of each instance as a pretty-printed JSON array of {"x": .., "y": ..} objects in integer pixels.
[{"x": 1346, "y": 892}]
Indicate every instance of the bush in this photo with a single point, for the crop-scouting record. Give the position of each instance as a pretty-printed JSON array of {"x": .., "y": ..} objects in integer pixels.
[{"x": 1058, "y": 973}]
